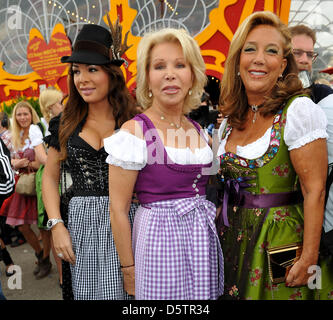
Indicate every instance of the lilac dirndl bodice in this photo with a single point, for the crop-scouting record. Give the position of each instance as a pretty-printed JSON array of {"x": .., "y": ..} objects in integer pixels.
[
  {"x": 174, "y": 181},
  {"x": 175, "y": 243}
]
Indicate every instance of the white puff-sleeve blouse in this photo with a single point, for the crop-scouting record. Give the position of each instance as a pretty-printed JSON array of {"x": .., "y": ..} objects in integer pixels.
[
  {"x": 305, "y": 122},
  {"x": 130, "y": 152},
  {"x": 36, "y": 135}
]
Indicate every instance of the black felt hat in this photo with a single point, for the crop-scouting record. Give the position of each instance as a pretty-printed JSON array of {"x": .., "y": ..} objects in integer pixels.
[{"x": 93, "y": 46}]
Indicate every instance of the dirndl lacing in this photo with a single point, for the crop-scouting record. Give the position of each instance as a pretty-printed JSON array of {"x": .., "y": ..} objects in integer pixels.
[{"x": 205, "y": 214}]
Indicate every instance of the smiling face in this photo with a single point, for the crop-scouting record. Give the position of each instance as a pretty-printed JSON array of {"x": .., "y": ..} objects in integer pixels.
[
  {"x": 92, "y": 82},
  {"x": 169, "y": 75},
  {"x": 23, "y": 117},
  {"x": 261, "y": 62}
]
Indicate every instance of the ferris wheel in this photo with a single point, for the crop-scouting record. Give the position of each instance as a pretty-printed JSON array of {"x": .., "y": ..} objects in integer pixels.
[
  {"x": 191, "y": 15},
  {"x": 18, "y": 17}
]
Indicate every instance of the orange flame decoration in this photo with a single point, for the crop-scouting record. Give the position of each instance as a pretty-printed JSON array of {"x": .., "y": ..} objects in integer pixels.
[{"x": 214, "y": 42}]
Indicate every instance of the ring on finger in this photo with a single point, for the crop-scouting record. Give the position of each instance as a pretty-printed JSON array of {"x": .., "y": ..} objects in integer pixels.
[{"x": 60, "y": 255}]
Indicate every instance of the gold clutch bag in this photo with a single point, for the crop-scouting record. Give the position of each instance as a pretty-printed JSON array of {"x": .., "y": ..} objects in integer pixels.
[{"x": 281, "y": 259}]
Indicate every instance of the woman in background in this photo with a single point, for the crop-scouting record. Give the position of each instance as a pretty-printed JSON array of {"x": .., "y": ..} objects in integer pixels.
[{"x": 21, "y": 211}]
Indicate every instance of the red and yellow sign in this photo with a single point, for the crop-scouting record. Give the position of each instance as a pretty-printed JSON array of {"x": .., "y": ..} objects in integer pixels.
[
  {"x": 44, "y": 58},
  {"x": 214, "y": 42}
]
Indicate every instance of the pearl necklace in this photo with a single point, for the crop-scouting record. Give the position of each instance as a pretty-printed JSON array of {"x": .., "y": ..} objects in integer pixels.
[{"x": 172, "y": 124}]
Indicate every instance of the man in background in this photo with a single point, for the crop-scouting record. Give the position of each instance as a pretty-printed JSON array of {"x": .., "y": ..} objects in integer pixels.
[{"x": 303, "y": 40}]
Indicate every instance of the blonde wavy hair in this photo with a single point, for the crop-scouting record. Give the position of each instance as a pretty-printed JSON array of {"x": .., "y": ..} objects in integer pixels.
[
  {"x": 47, "y": 98},
  {"x": 192, "y": 55},
  {"x": 233, "y": 98},
  {"x": 16, "y": 128}
]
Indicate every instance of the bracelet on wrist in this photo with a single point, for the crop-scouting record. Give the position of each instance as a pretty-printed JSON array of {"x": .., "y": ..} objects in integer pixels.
[{"x": 124, "y": 267}]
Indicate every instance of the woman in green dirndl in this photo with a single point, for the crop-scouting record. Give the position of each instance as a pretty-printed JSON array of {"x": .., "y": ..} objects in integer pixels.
[{"x": 273, "y": 167}]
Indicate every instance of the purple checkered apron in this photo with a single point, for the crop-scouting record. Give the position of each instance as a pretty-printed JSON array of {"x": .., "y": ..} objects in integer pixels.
[{"x": 177, "y": 252}]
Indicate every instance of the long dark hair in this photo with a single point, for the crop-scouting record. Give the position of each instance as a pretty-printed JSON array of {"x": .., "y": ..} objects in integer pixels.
[{"x": 121, "y": 102}]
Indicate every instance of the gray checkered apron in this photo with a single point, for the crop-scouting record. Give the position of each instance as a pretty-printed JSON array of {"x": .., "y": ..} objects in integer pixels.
[{"x": 96, "y": 274}]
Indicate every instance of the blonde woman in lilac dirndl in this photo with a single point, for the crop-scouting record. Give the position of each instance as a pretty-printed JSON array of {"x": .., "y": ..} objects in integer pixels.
[{"x": 173, "y": 252}]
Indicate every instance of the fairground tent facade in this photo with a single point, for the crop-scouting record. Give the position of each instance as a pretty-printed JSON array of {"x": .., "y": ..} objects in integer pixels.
[{"x": 34, "y": 34}]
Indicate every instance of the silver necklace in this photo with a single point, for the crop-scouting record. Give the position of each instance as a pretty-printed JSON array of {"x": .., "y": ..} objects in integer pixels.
[
  {"x": 255, "y": 109},
  {"x": 172, "y": 124}
]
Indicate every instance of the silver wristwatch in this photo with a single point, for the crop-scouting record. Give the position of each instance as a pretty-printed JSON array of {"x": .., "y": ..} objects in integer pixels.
[{"x": 52, "y": 222}]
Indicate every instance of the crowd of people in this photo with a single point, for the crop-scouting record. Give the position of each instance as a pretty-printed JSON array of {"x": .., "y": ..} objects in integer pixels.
[
  {"x": 23, "y": 138},
  {"x": 128, "y": 199}
]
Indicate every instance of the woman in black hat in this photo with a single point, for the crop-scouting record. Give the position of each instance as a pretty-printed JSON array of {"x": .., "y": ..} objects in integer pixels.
[{"x": 99, "y": 103}]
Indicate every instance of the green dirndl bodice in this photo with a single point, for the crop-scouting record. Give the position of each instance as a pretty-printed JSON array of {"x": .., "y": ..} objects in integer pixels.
[
  {"x": 42, "y": 216},
  {"x": 252, "y": 230}
]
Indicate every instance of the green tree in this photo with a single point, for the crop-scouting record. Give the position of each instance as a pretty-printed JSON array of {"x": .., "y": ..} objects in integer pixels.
[{"x": 9, "y": 108}]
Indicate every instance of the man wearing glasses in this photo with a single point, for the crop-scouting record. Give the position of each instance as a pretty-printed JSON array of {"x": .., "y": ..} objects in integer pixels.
[{"x": 303, "y": 40}]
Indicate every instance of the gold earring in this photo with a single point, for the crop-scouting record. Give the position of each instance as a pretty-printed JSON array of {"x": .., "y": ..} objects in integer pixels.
[
  {"x": 190, "y": 92},
  {"x": 150, "y": 94}
]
